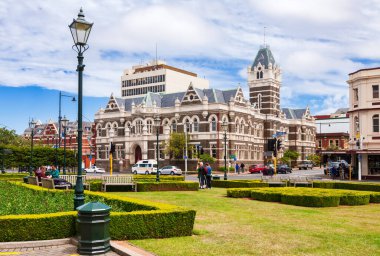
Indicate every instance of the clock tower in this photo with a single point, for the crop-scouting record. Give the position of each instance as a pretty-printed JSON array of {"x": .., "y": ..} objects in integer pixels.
[{"x": 264, "y": 81}]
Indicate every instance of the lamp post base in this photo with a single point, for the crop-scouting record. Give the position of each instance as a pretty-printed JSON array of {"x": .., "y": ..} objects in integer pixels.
[{"x": 78, "y": 201}]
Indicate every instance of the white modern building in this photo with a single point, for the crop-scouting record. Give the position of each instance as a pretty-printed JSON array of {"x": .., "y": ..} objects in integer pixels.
[
  {"x": 157, "y": 77},
  {"x": 364, "y": 111}
]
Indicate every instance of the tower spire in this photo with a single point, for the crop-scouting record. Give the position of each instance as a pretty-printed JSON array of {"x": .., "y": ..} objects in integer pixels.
[{"x": 264, "y": 37}]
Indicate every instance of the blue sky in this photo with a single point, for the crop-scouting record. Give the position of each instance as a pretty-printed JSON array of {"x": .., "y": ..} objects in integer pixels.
[{"x": 315, "y": 42}]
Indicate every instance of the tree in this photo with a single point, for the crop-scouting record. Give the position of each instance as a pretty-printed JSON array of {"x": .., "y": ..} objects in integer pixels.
[
  {"x": 290, "y": 155},
  {"x": 316, "y": 159},
  {"x": 206, "y": 158},
  {"x": 9, "y": 137}
]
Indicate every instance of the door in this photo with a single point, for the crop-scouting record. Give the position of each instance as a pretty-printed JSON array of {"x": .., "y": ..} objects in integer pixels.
[{"x": 138, "y": 154}]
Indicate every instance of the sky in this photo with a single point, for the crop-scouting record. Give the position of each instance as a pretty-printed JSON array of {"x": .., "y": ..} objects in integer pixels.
[{"x": 317, "y": 43}]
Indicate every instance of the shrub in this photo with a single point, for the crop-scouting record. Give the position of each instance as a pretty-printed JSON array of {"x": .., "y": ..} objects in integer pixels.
[
  {"x": 238, "y": 183},
  {"x": 268, "y": 196},
  {"x": 239, "y": 192},
  {"x": 365, "y": 186},
  {"x": 136, "y": 219},
  {"x": 316, "y": 200},
  {"x": 221, "y": 169},
  {"x": 95, "y": 184},
  {"x": 140, "y": 177},
  {"x": 354, "y": 198},
  {"x": 374, "y": 197},
  {"x": 167, "y": 186}
]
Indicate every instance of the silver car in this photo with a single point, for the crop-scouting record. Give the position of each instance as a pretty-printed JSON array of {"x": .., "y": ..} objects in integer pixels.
[{"x": 170, "y": 169}]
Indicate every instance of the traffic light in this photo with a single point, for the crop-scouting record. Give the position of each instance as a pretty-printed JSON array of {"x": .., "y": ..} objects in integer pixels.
[
  {"x": 112, "y": 150},
  {"x": 279, "y": 144},
  {"x": 271, "y": 144}
]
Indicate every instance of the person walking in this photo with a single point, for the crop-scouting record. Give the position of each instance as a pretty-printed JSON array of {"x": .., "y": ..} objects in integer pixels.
[
  {"x": 201, "y": 175},
  {"x": 242, "y": 165},
  {"x": 237, "y": 167},
  {"x": 208, "y": 175}
]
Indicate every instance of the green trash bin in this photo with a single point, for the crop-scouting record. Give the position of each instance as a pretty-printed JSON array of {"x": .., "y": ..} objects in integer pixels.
[{"x": 93, "y": 228}]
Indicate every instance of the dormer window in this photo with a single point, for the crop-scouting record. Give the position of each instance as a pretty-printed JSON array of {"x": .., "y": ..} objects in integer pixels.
[{"x": 191, "y": 97}]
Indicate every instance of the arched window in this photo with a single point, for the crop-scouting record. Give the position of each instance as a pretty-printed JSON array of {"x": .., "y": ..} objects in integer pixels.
[
  {"x": 237, "y": 127},
  {"x": 149, "y": 125},
  {"x": 242, "y": 126},
  {"x": 188, "y": 126},
  {"x": 195, "y": 125},
  {"x": 173, "y": 127},
  {"x": 213, "y": 124},
  {"x": 375, "y": 123},
  {"x": 261, "y": 74},
  {"x": 139, "y": 126}
]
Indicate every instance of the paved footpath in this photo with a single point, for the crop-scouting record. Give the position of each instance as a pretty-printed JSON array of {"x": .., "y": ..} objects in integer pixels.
[{"x": 64, "y": 247}]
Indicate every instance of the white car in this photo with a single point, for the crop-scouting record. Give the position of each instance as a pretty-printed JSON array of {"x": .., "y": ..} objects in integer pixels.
[
  {"x": 94, "y": 169},
  {"x": 170, "y": 169}
]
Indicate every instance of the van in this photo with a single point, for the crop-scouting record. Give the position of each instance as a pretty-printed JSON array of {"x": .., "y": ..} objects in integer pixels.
[{"x": 145, "y": 167}]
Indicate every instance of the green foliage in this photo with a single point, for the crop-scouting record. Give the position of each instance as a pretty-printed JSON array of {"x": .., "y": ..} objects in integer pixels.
[
  {"x": 130, "y": 218},
  {"x": 365, "y": 186},
  {"x": 140, "y": 177},
  {"x": 290, "y": 155},
  {"x": 238, "y": 183},
  {"x": 176, "y": 145},
  {"x": 316, "y": 159},
  {"x": 167, "y": 186},
  {"x": 206, "y": 158},
  {"x": 308, "y": 197},
  {"x": 285, "y": 160},
  {"x": 95, "y": 184},
  {"x": 9, "y": 137},
  {"x": 221, "y": 169}
]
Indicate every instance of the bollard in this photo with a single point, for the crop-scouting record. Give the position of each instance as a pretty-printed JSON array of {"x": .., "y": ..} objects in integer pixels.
[{"x": 93, "y": 228}]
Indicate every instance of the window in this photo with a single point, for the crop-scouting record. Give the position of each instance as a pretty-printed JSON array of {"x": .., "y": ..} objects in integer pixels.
[
  {"x": 337, "y": 143},
  {"x": 149, "y": 124},
  {"x": 320, "y": 143},
  {"x": 356, "y": 94},
  {"x": 188, "y": 126},
  {"x": 213, "y": 151},
  {"x": 139, "y": 127},
  {"x": 174, "y": 126},
  {"x": 375, "y": 91},
  {"x": 213, "y": 124},
  {"x": 375, "y": 123},
  {"x": 196, "y": 125}
]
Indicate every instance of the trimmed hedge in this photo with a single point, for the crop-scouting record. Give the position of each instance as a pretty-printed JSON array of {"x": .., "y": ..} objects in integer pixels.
[
  {"x": 12, "y": 176},
  {"x": 309, "y": 197},
  {"x": 364, "y": 186},
  {"x": 167, "y": 186},
  {"x": 141, "y": 177},
  {"x": 238, "y": 183},
  {"x": 139, "y": 219}
]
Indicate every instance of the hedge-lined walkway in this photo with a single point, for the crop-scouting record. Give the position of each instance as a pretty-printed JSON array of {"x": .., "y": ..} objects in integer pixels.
[{"x": 230, "y": 226}]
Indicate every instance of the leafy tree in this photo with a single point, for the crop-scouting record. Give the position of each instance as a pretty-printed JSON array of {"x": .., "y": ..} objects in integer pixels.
[
  {"x": 176, "y": 145},
  {"x": 316, "y": 159},
  {"x": 206, "y": 158},
  {"x": 9, "y": 137},
  {"x": 290, "y": 155}
]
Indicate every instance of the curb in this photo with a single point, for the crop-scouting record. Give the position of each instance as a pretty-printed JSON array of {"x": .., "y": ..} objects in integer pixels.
[{"x": 31, "y": 244}]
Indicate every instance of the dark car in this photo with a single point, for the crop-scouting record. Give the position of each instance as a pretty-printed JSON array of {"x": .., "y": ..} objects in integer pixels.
[
  {"x": 268, "y": 170},
  {"x": 284, "y": 169},
  {"x": 257, "y": 168}
]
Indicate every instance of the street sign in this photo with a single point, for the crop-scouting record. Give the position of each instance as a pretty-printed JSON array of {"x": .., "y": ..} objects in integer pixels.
[
  {"x": 232, "y": 156},
  {"x": 280, "y": 133},
  {"x": 185, "y": 157}
]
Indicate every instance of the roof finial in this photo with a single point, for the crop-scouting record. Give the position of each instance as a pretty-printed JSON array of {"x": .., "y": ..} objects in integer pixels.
[{"x": 264, "y": 37}]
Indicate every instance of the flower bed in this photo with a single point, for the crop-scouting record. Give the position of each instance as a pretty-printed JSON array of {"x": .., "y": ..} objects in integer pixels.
[
  {"x": 130, "y": 218},
  {"x": 309, "y": 197}
]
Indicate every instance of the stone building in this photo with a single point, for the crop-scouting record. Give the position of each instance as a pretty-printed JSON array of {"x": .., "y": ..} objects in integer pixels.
[{"x": 251, "y": 121}]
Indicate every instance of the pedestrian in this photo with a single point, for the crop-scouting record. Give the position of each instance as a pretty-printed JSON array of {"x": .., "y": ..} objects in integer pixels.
[
  {"x": 341, "y": 171},
  {"x": 237, "y": 168},
  {"x": 201, "y": 175},
  {"x": 242, "y": 165},
  {"x": 208, "y": 175}
]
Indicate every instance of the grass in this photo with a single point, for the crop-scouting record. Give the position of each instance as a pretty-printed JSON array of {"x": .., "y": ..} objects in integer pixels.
[{"x": 230, "y": 226}]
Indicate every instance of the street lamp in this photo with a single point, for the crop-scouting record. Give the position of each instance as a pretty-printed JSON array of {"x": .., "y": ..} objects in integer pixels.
[
  {"x": 32, "y": 125},
  {"x": 111, "y": 134},
  {"x": 157, "y": 123},
  {"x": 225, "y": 129},
  {"x": 59, "y": 114},
  {"x": 65, "y": 122},
  {"x": 80, "y": 30}
]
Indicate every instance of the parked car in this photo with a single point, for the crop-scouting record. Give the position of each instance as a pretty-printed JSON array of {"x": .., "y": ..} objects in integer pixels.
[
  {"x": 170, "y": 170},
  {"x": 305, "y": 165},
  {"x": 94, "y": 169},
  {"x": 145, "y": 167},
  {"x": 330, "y": 166},
  {"x": 268, "y": 170},
  {"x": 257, "y": 168},
  {"x": 283, "y": 168}
]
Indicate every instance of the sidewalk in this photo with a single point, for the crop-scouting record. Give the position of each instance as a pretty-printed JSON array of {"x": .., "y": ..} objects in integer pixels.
[{"x": 66, "y": 246}]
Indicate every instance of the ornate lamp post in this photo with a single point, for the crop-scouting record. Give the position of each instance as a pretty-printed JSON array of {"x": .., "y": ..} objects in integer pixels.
[
  {"x": 157, "y": 123},
  {"x": 64, "y": 122},
  {"x": 225, "y": 129},
  {"x": 80, "y": 30},
  {"x": 32, "y": 125}
]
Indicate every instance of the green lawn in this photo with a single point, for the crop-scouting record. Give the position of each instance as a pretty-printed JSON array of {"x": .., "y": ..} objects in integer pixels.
[{"x": 230, "y": 226}]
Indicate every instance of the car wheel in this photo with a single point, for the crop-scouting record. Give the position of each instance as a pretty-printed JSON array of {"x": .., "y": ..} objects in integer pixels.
[
  {"x": 159, "y": 173},
  {"x": 147, "y": 172},
  {"x": 135, "y": 172},
  {"x": 171, "y": 173}
]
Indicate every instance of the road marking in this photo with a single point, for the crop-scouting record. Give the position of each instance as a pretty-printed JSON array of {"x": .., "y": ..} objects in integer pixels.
[{"x": 10, "y": 253}]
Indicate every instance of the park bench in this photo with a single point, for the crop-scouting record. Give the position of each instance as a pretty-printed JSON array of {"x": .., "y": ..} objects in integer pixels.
[
  {"x": 117, "y": 180},
  {"x": 275, "y": 180},
  {"x": 300, "y": 181},
  {"x": 73, "y": 180},
  {"x": 49, "y": 183},
  {"x": 33, "y": 181}
]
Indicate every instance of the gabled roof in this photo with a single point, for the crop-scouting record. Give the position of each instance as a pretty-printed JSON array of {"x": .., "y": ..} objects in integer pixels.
[{"x": 294, "y": 113}]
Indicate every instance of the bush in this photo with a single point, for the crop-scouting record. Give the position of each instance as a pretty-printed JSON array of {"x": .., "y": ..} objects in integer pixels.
[
  {"x": 167, "y": 186},
  {"x": 12, "y": 176},
  {"x": 354, "y": 198},
  {"x": 136, "y": 219},
  {"x": 316, "y": 200},
  {"x": 364, "y": 186},
  {"x": 268, "y": 196},
  {"x": 238, "y": 183},
  {"x": 221, "y": 169},
  {"x": 239, "y": 192},
  {"x": 140, "y": 177},
  {"x": 95, "y": 184},
  {"x": 374, "y": 197}
]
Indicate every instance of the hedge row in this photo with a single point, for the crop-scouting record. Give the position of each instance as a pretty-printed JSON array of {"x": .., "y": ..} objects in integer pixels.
[
  {"x": 140, "y": 177},
  {"x": 12, "y": 176},
  {"x": 238, "y": 183},
  {"x": 167, "y": 186},
  {"x": 309, "y": 197},
  {"x": 139, "y": 219},
  {"x": 365, "y": 186}
]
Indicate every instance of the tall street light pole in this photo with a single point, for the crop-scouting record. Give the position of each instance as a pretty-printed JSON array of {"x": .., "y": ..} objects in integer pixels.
[
  {"x": 186, "y": 153},
  {"x": 59, "y": 114},
  {"x": 64, "y": 122},
  {"x": 157, "y": 123},
  {"x": 225, "y": 129},
  {"x": 32, "y": 125},
  {"x": 80, "y": 30},
  {"x": 111, "y": 135}
]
